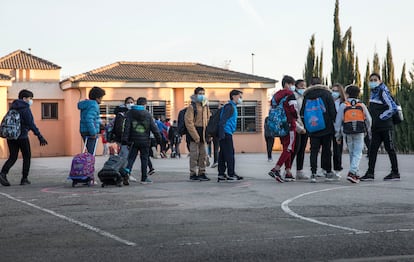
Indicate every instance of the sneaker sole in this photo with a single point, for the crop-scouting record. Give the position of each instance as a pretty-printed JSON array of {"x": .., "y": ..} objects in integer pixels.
[
  {"x": 366, "y": 179},
  {"x": 392, "y": 179},
  {"x": 279, "y": 179},
  {"x": 350, "y": 179}
]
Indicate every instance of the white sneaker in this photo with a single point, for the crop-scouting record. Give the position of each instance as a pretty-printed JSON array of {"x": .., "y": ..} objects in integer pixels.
[
  {"x": 215, "y": 164},
  {"x": 132, "y": 179},
  {"x": 300, "y": 175},
  {"x": 321, "y": 173},
  {"x": 313, "y": 178}
]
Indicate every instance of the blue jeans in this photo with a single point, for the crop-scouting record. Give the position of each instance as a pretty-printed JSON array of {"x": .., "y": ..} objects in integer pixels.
[
  {"x": 355, "y": 143},
  {"x": 90, "y": 144}
]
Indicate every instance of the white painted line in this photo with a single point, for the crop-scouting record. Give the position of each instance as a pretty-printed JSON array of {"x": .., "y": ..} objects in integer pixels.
[
  {"x": 73, "y": 221},
  {"x": 286, "y": 209}
]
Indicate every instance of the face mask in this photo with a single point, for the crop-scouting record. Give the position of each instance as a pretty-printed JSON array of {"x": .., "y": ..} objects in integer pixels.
[
  {"x": 239, "y": 101},
  {"x": 335, "y": 94},
  {"x": 373, "y": 85},
  {"x": 300, "y": 91},
  {"x": 30, "y": 102},
  {"x": 200, "y": 98},
  {"x": 129, "y": 105},
  {"x": 292, "y": 88}
]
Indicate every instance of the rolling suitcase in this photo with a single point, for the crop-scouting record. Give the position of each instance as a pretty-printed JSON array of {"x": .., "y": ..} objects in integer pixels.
[
  {"x": 113, "y": 171},
  {"x": 83, "y": 167}
]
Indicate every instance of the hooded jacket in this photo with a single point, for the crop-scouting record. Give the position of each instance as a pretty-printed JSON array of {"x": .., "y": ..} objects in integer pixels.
[
  {"x": 89, "y": 117},
  {"x": 381, "y": 107},
  {"x": 138, "y": 125},
  {"x": 196, "y": 126},
  {"x": 290, "y": 106},
  {"x": 26, "y": 118},
  {"x": 324, "y": 93}
]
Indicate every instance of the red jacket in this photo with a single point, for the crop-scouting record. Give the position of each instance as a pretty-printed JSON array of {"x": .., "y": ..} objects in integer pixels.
[{"x": 289, "y": 105}]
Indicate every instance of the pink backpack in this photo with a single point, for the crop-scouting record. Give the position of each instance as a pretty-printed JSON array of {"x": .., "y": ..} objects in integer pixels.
[{"x": 83, "y": 164}]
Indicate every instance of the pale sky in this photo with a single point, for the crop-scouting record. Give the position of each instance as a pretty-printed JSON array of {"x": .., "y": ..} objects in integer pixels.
[{"x": 82, "y": 35}]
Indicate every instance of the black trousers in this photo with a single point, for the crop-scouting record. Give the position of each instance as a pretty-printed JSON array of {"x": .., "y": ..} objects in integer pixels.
[
  {"x": 270, "y": 141},
  {"x": 326, "y": 155},
  {"x": 15, "y": 146},
  {"x": 337, "y": 154},
  {"x": 143, "y": 149},
  {"x": 226, "y": 156},
  {"x": 299, "y": 152},
  {"x": 378, "y": 137}
]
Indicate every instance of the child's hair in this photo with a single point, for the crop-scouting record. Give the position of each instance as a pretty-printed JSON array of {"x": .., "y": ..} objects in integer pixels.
[
  {"x": 287, "y": 80},
  {"x": 96, "y": 92},
  {"x": 128, "y": 98},
  {"x": 375, "y": 74},
  {"x": 298, "y": 82},
  {"x": 198, "y": 89},
  {"x": 142, "y": 101},
  {"x": 316, "y": 81},
  {"x": 352, "y": 91},
  {"x": 25, "y": 93},
  {"x": 340, "y": 90}
]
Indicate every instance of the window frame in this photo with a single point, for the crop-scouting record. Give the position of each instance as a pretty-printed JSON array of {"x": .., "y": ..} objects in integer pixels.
[{"x": 52, "y": 108}]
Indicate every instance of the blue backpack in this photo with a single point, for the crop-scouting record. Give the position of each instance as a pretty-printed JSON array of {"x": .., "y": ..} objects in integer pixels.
[
  {"x": 314, "y": 115},
  {"x": 277, "y": 120}
]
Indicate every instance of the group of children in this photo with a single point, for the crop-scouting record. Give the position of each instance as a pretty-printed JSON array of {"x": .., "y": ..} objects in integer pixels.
[{"x": 328, "y": 117}]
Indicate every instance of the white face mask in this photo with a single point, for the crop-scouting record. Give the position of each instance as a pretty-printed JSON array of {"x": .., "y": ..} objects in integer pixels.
[
  {"x": 129, "y": 105},
  {"x": 30, "y": 102}
]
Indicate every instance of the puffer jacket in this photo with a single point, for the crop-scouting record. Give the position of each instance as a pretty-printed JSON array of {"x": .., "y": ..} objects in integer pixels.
[
  {"x": 26, "y": 118},
  {"x": 325, "y": 94},
  {"x": 138, "y": 125},
  {"x": 89, "y": 117},
  {"x": 196, "y": 126}
]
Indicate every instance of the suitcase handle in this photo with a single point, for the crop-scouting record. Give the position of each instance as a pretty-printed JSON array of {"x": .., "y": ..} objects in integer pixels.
[{"x": 86, "y": 142}]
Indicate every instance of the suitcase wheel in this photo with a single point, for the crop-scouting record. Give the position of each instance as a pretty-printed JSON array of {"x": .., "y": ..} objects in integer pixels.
[{"x": 73, "y": 183}]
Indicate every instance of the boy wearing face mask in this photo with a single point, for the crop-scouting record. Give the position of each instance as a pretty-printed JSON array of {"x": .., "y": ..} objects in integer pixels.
[
  {"x": 288, "y": 141},
  {"x": 22, "y": 143},
  {"x": 382, "y": 107},
  {"x": 196, "y": 124}
]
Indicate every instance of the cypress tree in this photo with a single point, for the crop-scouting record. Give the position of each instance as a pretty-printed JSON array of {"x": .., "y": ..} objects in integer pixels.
[
  {"x": 310, "y": 61},
  {"x": 357, "y": 73},
  {"x": 390, "y": 81},
  {"x": 376, "y": 64},
  {"x": 366, "y": 93},
  {"x": 336, "y": 46}
]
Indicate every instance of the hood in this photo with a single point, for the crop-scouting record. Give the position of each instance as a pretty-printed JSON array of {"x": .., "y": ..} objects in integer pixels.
[
  {"x": 19, "y": 104},
  {"x": 86, "y": 104},
  {"x": 282, "y": 93},
  {"x": 315, "y": 91},
  {"x": 120, "y": 108}
]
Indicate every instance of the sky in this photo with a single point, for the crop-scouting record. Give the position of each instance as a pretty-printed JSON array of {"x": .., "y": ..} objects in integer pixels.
[{"x": 82, "y": 35}]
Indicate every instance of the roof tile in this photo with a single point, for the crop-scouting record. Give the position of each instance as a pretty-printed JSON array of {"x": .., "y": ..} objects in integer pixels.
[
  {"x": 166, "y": 72},
  {"x": 22, "y": 60}
]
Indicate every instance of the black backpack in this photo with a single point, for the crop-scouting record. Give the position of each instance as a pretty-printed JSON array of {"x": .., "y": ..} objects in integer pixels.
[
  {"x": 213, "y": 123},
  {"x": 118, "y": 127},
  {"x": 182, "y": 129}
]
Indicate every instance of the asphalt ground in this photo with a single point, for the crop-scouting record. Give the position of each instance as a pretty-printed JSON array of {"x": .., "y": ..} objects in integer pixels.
[{"x": 256, "y": 219}]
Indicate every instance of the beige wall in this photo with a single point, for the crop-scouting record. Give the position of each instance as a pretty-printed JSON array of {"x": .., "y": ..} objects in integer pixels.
[{"x": 3, "y": 110}]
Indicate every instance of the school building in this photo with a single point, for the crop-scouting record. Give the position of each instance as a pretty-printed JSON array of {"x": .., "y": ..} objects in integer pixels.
[{"x": 166, "y": 85}]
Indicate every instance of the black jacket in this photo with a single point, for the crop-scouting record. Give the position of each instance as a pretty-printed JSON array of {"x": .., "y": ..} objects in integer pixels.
[
  {"x": 138, "y": 125},
  {"x": 325, "y": 94}
]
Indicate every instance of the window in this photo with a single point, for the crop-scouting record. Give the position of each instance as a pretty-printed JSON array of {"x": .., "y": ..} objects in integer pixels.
[
  {"x": 157, "y": 107},
  {"x": 247, "y": 119},
  {"x": 49, "y": 110}
]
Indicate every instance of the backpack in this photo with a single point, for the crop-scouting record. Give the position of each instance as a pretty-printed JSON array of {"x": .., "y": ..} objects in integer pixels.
[
  {"x": 277, "y": 120},
  {"x": 314, "y": 115},
  {"x": 354, "y": 118},
  {"x": 212, "y": 127},
  {"x": 182, "y": 129},
  {"x": 115, "y": 128},
  {"x": 10, "y": 127}
]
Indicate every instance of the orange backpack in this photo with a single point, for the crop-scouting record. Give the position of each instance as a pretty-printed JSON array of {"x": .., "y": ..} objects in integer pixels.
[{"x": 354, "y": 118}]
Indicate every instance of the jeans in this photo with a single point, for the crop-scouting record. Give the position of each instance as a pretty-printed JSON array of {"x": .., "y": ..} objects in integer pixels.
[
  {"x": 385, "y": 136},
  {"x": 326, "y": 155},
  {"x": 226, "y": 156},
  {"x": 143, "y": 148},
  {"x": 355, "y": 143},
  {"x": 90, "y": 144},
  {"x": 14, "y": 146}
]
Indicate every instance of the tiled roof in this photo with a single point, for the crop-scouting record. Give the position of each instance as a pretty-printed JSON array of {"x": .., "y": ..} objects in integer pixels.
[
  {"x": 166, "y": 72},
  {"x": 22, "y": 60},
  {"x": 4, "y": 77}
]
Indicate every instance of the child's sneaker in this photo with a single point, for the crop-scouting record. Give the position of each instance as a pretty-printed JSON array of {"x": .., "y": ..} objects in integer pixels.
[
  {"x": 352, "y": 178},
  {"x": 289, "y": 177},
  {"x": 300, "y": 175},
  {"x": 276, "y": 175},
  {"x": 313, "y": 178},
  {"x": 331, "y": 176},
  {"x": 132, "y": 179},
  {"x": 151, "y": 172},
  {"x": 392, "y": 177},
  {"x": 146, "y": 181}
]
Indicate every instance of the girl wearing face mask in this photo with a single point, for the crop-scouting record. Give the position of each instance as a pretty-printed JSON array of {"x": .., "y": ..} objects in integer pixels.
[{"x": 338, "y": 95}]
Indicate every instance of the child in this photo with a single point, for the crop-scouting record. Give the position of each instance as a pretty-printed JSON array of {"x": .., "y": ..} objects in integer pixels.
[
  {"x": 353, "y": 120},
  {"x": 22, "y": 143},
  {"x": 288, "y": 141}
]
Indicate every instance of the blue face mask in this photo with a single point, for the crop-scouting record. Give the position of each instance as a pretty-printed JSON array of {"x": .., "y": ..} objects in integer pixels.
[
  {"x": 200, "y": 98},
  {"x": 373, "y": 85},
  {"x": 335, "y": 94},
  {"x": 292, "y": 88},
  {"x": 239, "y": 101},
  {"x": 300, "y": 91}
]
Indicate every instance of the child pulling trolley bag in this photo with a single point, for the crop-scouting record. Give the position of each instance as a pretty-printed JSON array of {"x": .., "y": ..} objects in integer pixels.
[{"x": 83, "y": 167}]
